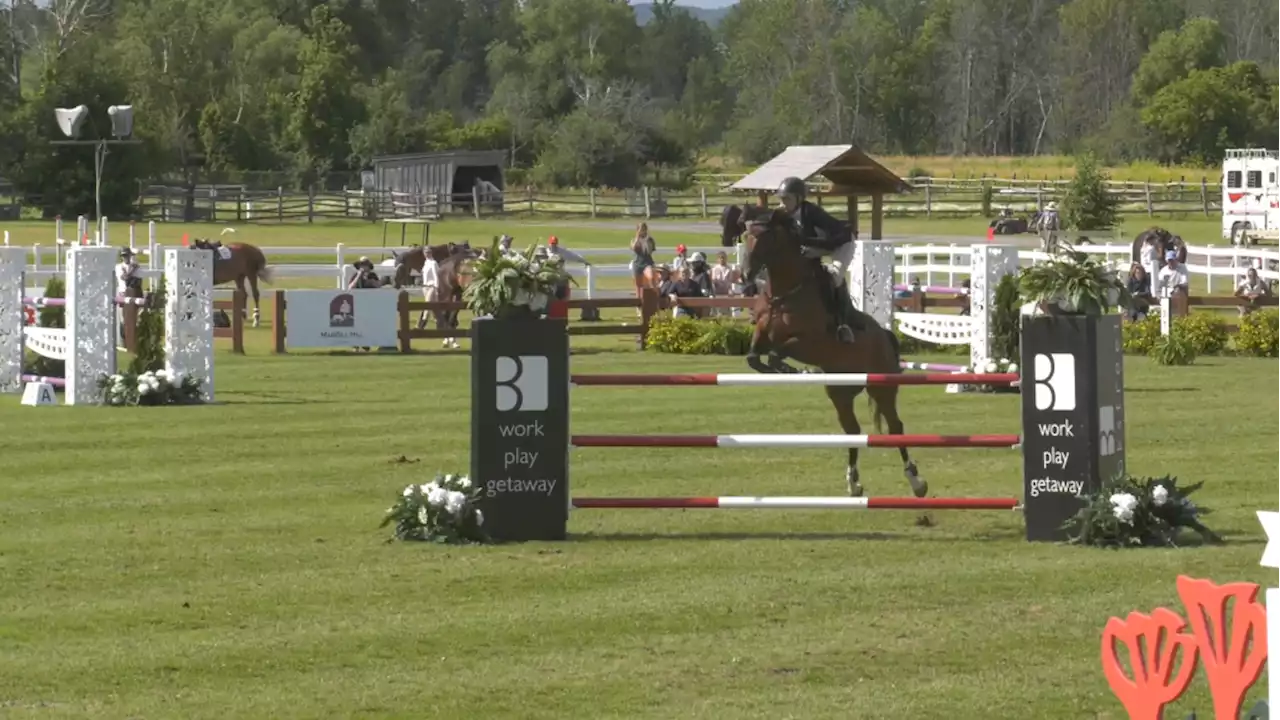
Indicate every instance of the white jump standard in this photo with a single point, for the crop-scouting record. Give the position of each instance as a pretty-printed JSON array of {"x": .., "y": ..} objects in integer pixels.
[{"x": 88, "y": 343}]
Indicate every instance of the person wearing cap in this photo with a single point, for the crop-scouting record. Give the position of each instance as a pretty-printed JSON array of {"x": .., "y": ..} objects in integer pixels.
[
  {"x": 1048, "y": 225},
  {"x": 554, "y": 248},
  {"x": 128, "y": 284},
  {"x": 821, "y": 235},
  {"x": 700, "y": 273},
  {"x": 1173, "y": 276},
  {"x": 364, "y": 277},
  {"x": 681, "y": 259},
  {"x": 128, "y": 281}
]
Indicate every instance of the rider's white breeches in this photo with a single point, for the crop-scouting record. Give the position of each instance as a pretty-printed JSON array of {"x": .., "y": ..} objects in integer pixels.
[{"x": 841, "y": 259}]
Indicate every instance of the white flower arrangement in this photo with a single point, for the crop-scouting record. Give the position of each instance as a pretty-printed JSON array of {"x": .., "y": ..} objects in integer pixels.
[
  {"x": 445, "y": 510},
  {"x": 159, "y": 387},
  {"x": 1130, "y": 511},
  {"x": 1001, "y": 366}
]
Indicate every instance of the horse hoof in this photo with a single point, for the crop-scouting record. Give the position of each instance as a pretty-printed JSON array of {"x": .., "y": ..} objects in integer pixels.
[
  {"x": 919, "y": 487},
  {"x": 855, "y": 485}
]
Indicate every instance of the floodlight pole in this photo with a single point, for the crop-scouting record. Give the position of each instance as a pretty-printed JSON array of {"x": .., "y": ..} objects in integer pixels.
[
  {"x": 70, "y": 121},
  {"x": 99, "y": 160}
]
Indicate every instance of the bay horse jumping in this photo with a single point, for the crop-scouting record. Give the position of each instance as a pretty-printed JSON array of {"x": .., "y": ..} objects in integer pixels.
[
  {"x": 792, "y": 320},
  {"x": 238, "y": 262}
]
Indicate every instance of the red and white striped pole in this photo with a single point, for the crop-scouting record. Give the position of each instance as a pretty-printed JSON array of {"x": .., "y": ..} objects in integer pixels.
[
  {"x": 795, "y": 441},
  {"x": 827, "y": 379},
  {"x": 798, "y": 503}
]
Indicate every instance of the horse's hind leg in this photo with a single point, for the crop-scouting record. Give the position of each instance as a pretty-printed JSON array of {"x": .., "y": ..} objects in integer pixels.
[
  {"x": 886, "y": 402},
  {"x": 842, "y": 398},
  {"x": 257, "y": 300}
]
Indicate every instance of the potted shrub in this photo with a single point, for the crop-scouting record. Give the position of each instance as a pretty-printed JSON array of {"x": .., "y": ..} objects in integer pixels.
[
  {"x": 518, "y": 285},
  {"x": 1073, "y": 283}
]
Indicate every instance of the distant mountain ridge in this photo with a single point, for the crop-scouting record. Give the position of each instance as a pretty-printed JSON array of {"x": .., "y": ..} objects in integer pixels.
[{"x": 710, "y": 16}]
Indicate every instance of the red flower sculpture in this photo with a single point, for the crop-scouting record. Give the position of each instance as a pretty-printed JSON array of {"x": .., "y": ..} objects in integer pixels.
[
  {"x": 1153, "y": 641},
  {"x": 1232, "y": 658}
]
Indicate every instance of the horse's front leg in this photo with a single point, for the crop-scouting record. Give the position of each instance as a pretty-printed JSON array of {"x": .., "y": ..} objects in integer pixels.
[{"x": 758, "y": 343}]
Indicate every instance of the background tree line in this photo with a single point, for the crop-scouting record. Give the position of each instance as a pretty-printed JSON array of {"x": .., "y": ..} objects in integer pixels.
[{"x": 306, "y": 93}]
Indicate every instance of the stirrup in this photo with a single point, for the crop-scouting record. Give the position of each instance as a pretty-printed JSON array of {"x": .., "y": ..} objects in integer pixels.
[{"x": 844, "y": 334}]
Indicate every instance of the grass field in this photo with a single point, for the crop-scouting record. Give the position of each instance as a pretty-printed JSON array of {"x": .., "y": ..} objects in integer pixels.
[
  {"x": 1042, "y": 167},
  {"x": 1197, "y": 230},
  {"x": 225, "y": 562}
]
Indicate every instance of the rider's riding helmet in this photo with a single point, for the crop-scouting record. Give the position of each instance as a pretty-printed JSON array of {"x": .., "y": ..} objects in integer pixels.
[
  {"x": 681, "y": 249},
  {"x": 794, "y": 187}
]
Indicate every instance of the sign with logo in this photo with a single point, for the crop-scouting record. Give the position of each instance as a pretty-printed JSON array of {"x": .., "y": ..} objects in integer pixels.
[
  {"x": 1072, "y": 415},
  {"x": 520, "y": 426},
  {"x": 341, "y": 318}
]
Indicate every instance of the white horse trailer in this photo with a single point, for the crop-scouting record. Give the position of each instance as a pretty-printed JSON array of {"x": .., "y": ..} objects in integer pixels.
[{"x": 1250, "y": 193}]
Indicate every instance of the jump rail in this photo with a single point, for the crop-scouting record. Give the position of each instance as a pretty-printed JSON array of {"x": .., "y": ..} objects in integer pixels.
[
  {"x": 839, "y": 379},
  {"x": 798, "y": 503},
  {"x": 796, "y": 441}
]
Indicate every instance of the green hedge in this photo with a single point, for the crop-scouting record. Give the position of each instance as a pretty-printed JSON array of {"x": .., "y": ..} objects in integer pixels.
[{"x": 1205, "y": 334}]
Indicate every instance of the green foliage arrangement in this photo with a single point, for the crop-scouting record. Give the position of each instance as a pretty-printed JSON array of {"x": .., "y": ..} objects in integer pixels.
[
  {"x": 1087, "y": 205},
  {"x": 514, "y": 285},
  {"x": 149, "y": 356},
  {"x": 1174, "y": 349},
  {"x": 1140, "y": 336},
  {"x": 1205, "y": 332},
  {"x": 49, "y": 317},
  {"x": 1259, "y": 334},
  {"x": 1006, "y": 318},
  {"x": 693, "y": 336},
  {"x": 1138, "y": 512},
  {"x": 1074, "y": 283}
]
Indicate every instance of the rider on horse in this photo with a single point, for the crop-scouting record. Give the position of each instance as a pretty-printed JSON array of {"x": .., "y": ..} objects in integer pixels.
[{"x": 835, "y": 239}]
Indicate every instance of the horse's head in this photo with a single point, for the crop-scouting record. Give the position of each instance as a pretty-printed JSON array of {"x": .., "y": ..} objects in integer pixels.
[{"x": 773, "y": 239}]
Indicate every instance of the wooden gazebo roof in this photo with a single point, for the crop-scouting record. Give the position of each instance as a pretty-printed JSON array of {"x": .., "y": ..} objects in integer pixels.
[{"x": 851, "y": 171}]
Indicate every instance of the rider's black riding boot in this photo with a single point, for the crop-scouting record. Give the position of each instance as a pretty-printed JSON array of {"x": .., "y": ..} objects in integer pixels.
[{"x": 843, "y": 306}]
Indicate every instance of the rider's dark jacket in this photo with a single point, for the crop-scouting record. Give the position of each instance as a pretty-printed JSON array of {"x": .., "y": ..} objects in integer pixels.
[{"x": 812, "y": 218}]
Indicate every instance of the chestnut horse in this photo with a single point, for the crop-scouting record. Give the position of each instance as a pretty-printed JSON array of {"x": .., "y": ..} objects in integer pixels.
[
  {"x": 238, "y": 262},
  {"x": 792, "y": 321}
]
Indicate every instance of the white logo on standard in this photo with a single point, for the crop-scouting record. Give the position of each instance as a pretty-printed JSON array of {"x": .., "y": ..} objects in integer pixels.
[
  {"x": 1055, "y": 381},
  {"x": 522, "y": 383}
]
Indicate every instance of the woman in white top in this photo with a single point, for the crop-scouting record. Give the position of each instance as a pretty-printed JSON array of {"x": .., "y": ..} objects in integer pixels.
[{"x": 431, "y": 293}]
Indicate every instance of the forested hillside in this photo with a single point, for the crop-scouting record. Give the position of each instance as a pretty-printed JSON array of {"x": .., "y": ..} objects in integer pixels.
[{"x": 302, "y": 93}]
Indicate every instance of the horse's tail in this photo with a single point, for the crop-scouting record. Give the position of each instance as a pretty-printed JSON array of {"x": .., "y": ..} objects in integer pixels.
[
  {"x": 877, "y": 414},
  {"x": 262, "y": 271}
]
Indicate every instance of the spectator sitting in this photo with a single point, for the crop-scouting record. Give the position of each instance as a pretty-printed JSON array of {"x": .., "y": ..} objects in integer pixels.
[
  {"x": 1252, "y": 288},
  {"x": 684, "y": 287},
  {"x": 1140, "y": 288},
  {"x": 1173, "y": 276},
  {"x": 365, "y": 278},
  {"x": 725, "y": 281},
  {"x": 664, "y": 280},
  {"x": 700, "y": 273},
  {"x": 681, "y": 258}
]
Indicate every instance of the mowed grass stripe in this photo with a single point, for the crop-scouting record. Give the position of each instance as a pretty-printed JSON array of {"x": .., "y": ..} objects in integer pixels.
[{"x": 260, "y": 515}]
